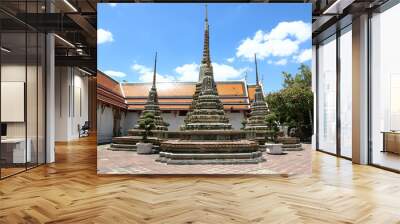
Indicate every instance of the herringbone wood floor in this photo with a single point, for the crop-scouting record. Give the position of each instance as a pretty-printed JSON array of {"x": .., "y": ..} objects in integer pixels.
[{"x": 70, "y": 191}]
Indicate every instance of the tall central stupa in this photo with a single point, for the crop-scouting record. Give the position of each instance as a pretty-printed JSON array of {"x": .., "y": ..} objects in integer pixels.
[
  {"x": 207, "y": 136},
  {"x": 207, "y": 110}
]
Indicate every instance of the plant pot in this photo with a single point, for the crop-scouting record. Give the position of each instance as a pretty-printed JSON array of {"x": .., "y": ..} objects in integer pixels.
[
  {"x": 274, "y": 149},
  {"x": 144, "y": 148}
]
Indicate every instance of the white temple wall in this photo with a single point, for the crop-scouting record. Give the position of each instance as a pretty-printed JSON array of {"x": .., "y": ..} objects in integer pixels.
[
  {"x": 235, "y": 119},
  {"x": 173, "y": 119},
  {"x": 105, "y": 122},
  {"x": 128, "y": 121}
]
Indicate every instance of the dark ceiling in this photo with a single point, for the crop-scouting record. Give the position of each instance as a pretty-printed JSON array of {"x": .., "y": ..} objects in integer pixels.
[{"x": 76, "y": 22}]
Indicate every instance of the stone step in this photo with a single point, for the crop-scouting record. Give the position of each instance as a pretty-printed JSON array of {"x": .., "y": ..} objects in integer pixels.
[
  {"x": 291, "y": 146},
  {"x": 117, "y": 145},
  {"x": 262, "y": 148},
  {"x": 126, "y": 146},
  {"x": 213, "y": 161},
  {"x": 126, "y": 140},
  {"x": 122, "y": 147},
  {"x": 293, "y": 149},
  {"x": 207, "y": 156}
]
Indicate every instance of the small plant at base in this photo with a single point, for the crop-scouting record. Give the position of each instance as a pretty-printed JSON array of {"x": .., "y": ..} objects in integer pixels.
[
  {"x": 147, "y": 124},
  {"x": 272, "y": 121}
]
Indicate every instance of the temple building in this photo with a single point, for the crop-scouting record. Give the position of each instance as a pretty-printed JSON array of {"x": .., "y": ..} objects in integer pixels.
[{"x": 119, "y": 105}]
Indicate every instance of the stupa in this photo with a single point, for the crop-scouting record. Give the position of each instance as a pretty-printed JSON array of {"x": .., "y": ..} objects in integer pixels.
[
  {"x": 207, "y": 136},
  {"x": 134, "y": 135},
  {"x": 256, "y": 126},
  {"x": 207, "y": 111},
  {"x": 153, "y": 106}
]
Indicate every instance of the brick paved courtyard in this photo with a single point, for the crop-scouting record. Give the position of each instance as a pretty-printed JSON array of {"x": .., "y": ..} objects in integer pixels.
[{"x": 125, "y": 162}]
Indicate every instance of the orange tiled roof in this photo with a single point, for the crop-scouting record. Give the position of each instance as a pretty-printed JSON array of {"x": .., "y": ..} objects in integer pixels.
[
  {"x": 182, "y": 89},
  {"x": 251, "y": 89},
  {"x": 178, "y": 96},
  {"x": 109, "y": 91},
  {"x": 172, "y": 95},
  {"x": 163, "y": 89},
  {"x": 186, "y": 107}
]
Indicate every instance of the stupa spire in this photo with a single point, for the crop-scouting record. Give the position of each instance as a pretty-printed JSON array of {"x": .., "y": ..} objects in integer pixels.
[
  {"x": 206, "y": 49},
  {"x": 255, "y": 61},
  {"x": 155, "y": 70},
  {"x": 152, "y": 104}
]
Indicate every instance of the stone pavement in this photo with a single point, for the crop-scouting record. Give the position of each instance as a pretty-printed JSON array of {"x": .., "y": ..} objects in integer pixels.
[{"x": 127, "y": 162}]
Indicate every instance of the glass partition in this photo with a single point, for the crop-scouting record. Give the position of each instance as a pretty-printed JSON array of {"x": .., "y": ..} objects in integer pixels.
[
  {"x": 346, "y": 92},
  {"x": 14, "y": 153},
  {"x": 327, "y": 95},
  {"x": 22, "y": 91},
  {"x": 385, "y": 89}
]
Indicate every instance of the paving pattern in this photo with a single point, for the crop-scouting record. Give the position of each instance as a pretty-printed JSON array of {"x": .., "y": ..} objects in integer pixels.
[{"x": 129, "y": 162}]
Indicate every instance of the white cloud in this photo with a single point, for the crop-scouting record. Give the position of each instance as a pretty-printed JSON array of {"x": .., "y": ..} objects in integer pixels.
[
  {"x": 299, "y": 30},
  {"x": 104, "y": 36},
  {"x": 222, "y": 72},
  {"x": 304, "y": 56},
  {"x": 281, "y": 41},
  {"x": 115, "y": 74},
  {"x": 230, "y": 60},
  {"x": 188, "y": 72},
  {"x": 112, "y": 4},
  {"x": 282, "y": 61},
  {"x": 146, "y": 74}
]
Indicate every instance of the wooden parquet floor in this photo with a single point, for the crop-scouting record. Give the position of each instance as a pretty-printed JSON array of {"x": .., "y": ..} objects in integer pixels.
[{"x": 70, "y": 191}]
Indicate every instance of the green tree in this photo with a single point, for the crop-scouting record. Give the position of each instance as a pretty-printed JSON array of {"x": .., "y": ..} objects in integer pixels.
[
  {"x": 147, "y": 124},
  {"x": 293, "y": 105},
  {"x": 273, "y": 123}
]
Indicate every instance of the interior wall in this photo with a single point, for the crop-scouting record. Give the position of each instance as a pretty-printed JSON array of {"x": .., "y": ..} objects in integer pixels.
[{"x": 71, "y": 102}]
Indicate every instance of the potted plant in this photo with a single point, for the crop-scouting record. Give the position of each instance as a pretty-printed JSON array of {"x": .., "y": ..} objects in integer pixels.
[
  {"x": 272, "y": 146},
  {"x": 146, "y": 123}
]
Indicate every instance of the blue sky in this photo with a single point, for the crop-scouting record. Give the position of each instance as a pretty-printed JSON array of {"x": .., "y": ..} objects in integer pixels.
[{"x": 130, "y": 34}]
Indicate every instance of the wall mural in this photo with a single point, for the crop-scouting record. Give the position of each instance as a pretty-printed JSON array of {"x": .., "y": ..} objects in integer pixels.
[{"x": 203, "y": 118}]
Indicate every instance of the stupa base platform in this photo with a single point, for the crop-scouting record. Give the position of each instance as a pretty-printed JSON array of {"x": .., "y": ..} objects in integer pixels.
[
  {"x": 128, "y": 143},
  {"x": 210, "y": 152},
  {"x": 211, "y": 161},
  {"x": 263, "y": 148},
  {"x": 292, "y": 147},
  {"x": 122, "y": 147},
  {"x": 290, "y": 143}
]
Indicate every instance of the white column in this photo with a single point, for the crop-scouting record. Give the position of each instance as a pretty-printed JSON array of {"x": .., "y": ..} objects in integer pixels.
[
  {"x": 360, "y": 89},
  {"x": 50, "y": 100},
  {"x": 314, "y": 89}
]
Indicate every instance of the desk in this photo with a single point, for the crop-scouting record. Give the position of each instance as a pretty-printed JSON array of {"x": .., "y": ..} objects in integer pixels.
[
  {"x": 13, "y": 150},
  {"x": 391, "y": 141}
]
